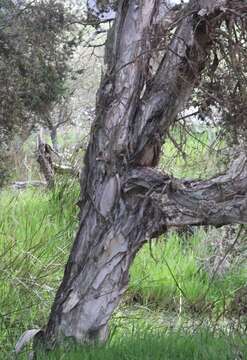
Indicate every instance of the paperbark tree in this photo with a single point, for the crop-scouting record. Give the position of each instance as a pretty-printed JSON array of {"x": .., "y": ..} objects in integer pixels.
[{"x": 125, "y": 200}]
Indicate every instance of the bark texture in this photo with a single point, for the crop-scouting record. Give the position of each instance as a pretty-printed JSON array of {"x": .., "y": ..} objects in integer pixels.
[{"x": 125, "y": 200}]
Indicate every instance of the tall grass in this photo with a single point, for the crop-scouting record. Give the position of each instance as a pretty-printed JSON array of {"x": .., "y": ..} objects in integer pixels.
[
  {"x": 146, "y": 344},
  {"x": 36, "y": 232},
  {"x": 174, "y": 279}
]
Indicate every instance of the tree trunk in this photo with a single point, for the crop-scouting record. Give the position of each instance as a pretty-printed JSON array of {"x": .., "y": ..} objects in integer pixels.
[
  {"x": 44, "y": 158},
  {"x": 53, "y": 135},
  {"x": 125, "y": 200}
]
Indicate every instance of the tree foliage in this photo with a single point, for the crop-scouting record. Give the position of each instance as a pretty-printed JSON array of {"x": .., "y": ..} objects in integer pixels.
[
  {"x": 34, "y": 49},
  {"x": 35, "y": 46},
  {"x": 224, "y": 81}
]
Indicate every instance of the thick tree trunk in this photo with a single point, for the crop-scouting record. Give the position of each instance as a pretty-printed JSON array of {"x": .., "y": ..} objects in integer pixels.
[
  {"x": 125, "y": 201},
  {"x": 97, "y": 273}
]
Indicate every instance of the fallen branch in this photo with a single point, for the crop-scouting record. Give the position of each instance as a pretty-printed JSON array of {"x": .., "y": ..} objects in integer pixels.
[{"x": 21, "y": 185}]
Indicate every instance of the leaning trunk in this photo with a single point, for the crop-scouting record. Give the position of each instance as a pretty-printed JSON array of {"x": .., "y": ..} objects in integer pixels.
[
  {"x": 97, "y": 273},
  {"x": 125, "y": 202}
]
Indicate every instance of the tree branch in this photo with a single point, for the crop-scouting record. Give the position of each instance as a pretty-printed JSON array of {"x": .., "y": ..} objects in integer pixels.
[
  {"x": 127, "y": 63},
  {"x": 219, "y": 201},
  {"x": 176, "y": 77}
]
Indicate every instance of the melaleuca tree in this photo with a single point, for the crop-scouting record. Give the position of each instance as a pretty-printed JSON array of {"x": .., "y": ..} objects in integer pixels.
[{"x": 156, "y": 58}]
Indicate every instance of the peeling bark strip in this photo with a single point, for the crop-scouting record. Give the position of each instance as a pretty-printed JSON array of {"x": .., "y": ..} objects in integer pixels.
[{"x": 125, "y": 200}]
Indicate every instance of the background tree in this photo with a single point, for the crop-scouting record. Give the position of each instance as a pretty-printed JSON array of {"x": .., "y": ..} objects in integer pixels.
[{"x": 35, "y": 46}]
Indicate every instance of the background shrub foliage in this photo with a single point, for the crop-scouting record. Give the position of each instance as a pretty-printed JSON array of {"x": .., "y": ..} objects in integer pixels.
[{"x": 35, "y": 46}]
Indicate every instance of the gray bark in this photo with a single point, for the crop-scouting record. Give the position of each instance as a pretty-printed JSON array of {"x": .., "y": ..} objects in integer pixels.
[
  {"x": 44, "y": 158},
  {"x": 53, "y": 134},
  {"x": 125, "y": 200}
]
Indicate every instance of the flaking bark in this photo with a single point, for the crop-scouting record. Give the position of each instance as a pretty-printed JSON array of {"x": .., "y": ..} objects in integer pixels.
[{"x": 125, "y": 201}]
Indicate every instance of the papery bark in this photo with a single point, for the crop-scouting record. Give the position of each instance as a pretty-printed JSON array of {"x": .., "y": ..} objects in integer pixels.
[{"x": 125, "y": 201}]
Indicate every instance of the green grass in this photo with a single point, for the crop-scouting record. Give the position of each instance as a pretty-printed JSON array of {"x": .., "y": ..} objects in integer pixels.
[
  {"x": 36, "y": 233},
  {"x": 160, "y": 345},
  {"x": 174, "y": 279}
]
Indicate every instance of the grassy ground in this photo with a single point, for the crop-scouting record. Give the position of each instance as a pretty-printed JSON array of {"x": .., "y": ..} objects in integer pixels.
[
  {"x": 169, "y": 288},
  {"x": 36, "y": 231},
  {"x": 158, "y": 345}
]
